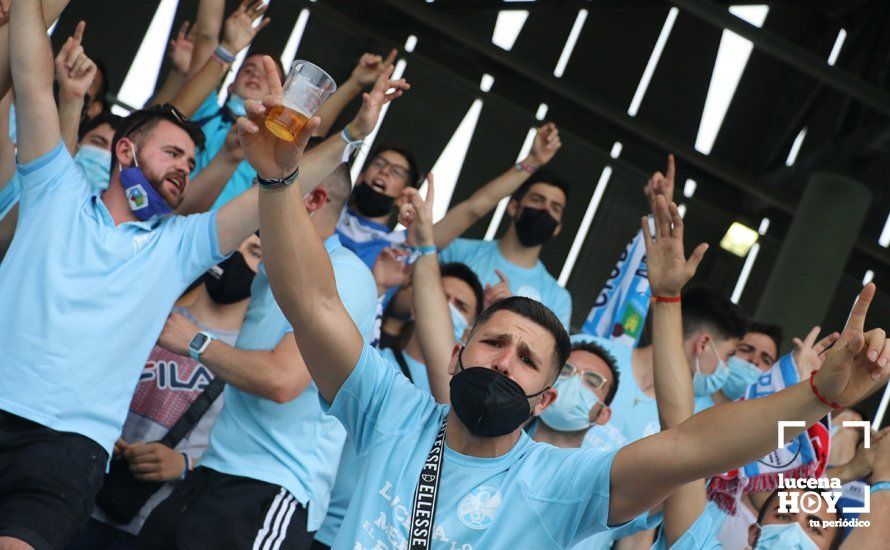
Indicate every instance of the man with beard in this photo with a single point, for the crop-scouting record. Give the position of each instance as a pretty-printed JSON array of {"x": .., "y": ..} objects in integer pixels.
[
  {"x": 169, "y": 386},
  {"x": 467, "y": 474},
  {"x": 510, "y": 265},
  {"x": 88, "y": 282}
]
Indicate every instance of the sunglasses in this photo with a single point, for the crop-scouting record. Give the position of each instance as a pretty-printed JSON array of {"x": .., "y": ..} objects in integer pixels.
[{"x": 166, "y": 110}]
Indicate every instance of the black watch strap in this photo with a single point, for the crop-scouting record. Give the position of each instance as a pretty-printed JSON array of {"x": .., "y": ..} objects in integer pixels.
[{"x": 278, "y": 183}]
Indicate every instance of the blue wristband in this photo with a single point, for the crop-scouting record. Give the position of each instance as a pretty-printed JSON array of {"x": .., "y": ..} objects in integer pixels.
[
  {"x": 224, "y": 54},
  {"x": 424, "y": 250},
  {"x": 187, "y": 468},
  {"x": 880, "y": 486}
]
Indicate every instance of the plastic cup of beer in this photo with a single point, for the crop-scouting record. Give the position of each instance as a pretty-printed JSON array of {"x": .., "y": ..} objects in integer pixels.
[{"x": 307, "y": 86}]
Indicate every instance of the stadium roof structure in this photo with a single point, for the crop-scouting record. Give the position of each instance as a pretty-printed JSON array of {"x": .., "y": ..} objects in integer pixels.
[{"x": 751, "y": 97}]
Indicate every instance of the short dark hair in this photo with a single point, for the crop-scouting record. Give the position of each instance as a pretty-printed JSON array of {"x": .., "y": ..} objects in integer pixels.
[
  {"x": 538, "y": 313},
  {"x": 541, "y": 176},
  {"x": 339, "y": 186},
  {"x": 761, "y": 514},
  {"x": 141, "y": 122},
  {"x": 413, "y": 168},
  {"x": 775, "y": 332},
  {"x": 467, "y": 275},
  {"x": 105, "y": 117},
  {"x": 608, "y": 359},
  {"x": 707, "y": 309}
]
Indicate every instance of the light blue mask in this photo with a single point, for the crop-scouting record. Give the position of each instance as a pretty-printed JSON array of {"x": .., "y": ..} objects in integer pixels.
[
  {"x": 95, "y": 163},
  {"x": 571, "y": 410},
  {"x": 741, "y": 375},
  {"x": 458, "y": 323},
  {"x": 786, "y": 536},
  {"x": 704, "y": 385},
  {"x": 235, "y": 105}
]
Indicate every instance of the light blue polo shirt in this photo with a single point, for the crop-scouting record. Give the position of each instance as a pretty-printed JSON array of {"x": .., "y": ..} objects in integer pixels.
[
  {"x": 84, "y": 301},
  {"x": 484, "y": 257},
  {"x": 419, "y": 376},
  {"x": 215, "y": 124},
  {"x": 291, "y": 444},
  {"x": 534, "y": 496},
  {"x": 634, "y": 413}
]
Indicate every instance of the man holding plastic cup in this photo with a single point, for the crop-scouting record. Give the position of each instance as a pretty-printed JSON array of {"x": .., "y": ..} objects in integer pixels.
[{"x": 306, "y": 88}]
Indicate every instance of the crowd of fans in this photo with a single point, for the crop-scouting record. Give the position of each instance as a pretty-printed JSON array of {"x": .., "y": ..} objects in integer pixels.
[{"x": 214, "y": 338}]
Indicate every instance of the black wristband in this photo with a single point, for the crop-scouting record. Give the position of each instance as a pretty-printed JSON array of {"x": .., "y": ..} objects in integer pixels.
[{"x": 278, "y": 183}]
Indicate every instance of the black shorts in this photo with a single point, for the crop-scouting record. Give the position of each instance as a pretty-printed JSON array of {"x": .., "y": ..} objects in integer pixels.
[
  {"x": 210, "y": 509},
  {"x": 48, "y": 481}
]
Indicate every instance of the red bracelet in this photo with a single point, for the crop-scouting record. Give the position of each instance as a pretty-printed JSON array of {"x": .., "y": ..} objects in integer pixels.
[
  {"x": 819, "y": 395},
  {"x": 667, "y": 299}
]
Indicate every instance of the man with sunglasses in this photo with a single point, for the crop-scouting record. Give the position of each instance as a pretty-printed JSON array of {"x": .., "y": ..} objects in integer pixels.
[{"x": 88, "y": 282}]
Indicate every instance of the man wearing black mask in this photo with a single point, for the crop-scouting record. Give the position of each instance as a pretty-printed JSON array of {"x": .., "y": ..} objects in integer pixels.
[
  {"x": 364, "y": 226},
  {"x": 510, "y": 266},
  {"x": 168, "y": 386}
]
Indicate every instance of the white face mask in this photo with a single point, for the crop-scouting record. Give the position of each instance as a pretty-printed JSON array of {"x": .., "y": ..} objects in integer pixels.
[
  {"x": 571, "y": 410},
  {"x": 704, "y": 385},
  {"x": 784, "y": 536}
]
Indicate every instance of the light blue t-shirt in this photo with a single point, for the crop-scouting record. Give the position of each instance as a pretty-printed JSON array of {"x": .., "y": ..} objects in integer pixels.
[
  {"x": 83, "y": 300},
  {"x": 347, "y": 471},
  {"x": 534, "y": 496},
  {"x": 419, "y": 376},
  {"x": 484, "y": 257},
  {"x": 701, "y": 535},
  {"x": 634, "y": 413},
  {"x": 216, "y": 123},
  {"x": 290, "y": 444}
]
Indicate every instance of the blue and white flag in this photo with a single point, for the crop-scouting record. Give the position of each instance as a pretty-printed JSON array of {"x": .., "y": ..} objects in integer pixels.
[{"x": 620, "y": 310}]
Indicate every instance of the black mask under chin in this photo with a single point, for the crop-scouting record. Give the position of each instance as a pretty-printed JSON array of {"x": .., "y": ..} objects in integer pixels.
[
  {"x": 534, "y": 226},
  {"x": 233, "y": 284},
  {"x": 488, "y": 403},
  {"x": 370, "y": 202}
]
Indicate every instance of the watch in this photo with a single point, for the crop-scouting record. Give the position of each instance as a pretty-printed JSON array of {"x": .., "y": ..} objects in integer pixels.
[{"x": 199, "y": 343}]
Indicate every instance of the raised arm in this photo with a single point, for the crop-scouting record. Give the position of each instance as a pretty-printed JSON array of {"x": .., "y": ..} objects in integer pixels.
[
  {"x": 239, "y": 217},
  {"x": 277, "y": 374},
  {"x": 180, "y": 54},
  {"x": 668, "y": 271},
  {"x": 208, "y": 24},
  {"x": 877, "y": 533},
  {"x": 730, "y": 435},
  {"x": 480, "y": 203},
  {"x": 205, "y": 188},
  {"x": 239, "y": 32},
  {"x": 432, "y": 320},
  {"x": 31, "y": 60},
  {"x": 368, "y": 70},
  {"x": 74, "y": 73}
]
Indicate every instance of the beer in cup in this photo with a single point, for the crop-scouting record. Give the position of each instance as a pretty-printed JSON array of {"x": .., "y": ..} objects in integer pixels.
[{"x": 307, "y": 86}]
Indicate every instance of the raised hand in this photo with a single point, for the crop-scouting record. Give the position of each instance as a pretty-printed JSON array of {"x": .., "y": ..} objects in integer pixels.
[
  {"x": 238, "y": 30},
  {"x": 390, "y": 269},
  {"x": 373, "y": 102},
  {"x": 417, "y": 214},
  {"x": 370, "y": 67},
  {"x": 666, "y": 262},
  {"x": 74, "y": 70},
  {"x": 180, "y": 51},
  {"x": 271, "y": 157},
  {"x": 809, "y": 354},
  {"x": 4, "y": 12},
  {"x": 498, "y": 292},
  {"x": 661, "y": 184},
  {"x": 857, "y": 364},
  {"x": 545, "y": 145}
]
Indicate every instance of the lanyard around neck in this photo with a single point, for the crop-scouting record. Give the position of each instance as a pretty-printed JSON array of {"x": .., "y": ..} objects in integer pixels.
[{"x": 423, "y": 512}]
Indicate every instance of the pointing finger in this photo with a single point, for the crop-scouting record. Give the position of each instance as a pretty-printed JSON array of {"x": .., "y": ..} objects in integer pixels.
[{"x": 272, "y": 76}]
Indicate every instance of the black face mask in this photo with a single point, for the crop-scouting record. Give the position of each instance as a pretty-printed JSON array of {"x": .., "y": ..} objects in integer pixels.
[
  {"x": 233, "y": 285},
  {"x": 488, "y": 403},
  {"x": 370, "y": 203},
  {"x": 534, "y": 226}
]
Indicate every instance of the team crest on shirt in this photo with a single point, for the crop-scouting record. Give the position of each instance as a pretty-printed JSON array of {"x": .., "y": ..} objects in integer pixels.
[
  {"x": 136, "y": 197},
  {"x": 479, "y": 507},
  {"x": 529, "y": 292}
]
